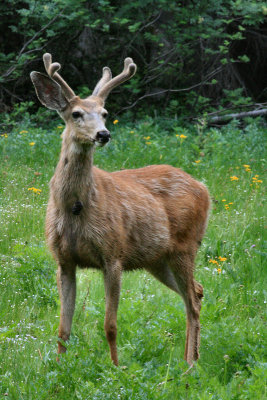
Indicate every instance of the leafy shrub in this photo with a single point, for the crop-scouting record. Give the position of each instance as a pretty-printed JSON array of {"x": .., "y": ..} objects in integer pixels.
[{"x": 191, "y": 56}]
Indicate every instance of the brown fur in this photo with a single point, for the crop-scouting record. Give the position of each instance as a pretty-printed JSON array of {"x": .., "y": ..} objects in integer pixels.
[{"x": 152, "y": 218}]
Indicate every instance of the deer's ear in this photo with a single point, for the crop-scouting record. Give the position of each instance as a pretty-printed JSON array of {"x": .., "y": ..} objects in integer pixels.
[{"x": 48, "y": 92}]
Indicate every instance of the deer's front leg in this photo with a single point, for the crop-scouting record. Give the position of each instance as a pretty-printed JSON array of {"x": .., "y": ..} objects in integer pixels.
[
  {"x": 112, "y": 280},
  {"x": 66, "y": 282}
]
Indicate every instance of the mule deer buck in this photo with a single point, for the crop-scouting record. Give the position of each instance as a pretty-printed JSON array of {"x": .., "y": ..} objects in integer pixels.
[{"x": 152, "y": 218}]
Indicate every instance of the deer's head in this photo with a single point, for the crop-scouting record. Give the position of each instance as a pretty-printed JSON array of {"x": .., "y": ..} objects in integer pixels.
[{"x": 85, "y": 118}]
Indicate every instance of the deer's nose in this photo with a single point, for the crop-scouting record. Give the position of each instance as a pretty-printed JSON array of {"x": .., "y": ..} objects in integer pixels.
[{"x": 103, "y": 136}]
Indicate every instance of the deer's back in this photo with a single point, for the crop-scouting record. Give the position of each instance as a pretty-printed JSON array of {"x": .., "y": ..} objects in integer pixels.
[{"x": 184, "y": 199}]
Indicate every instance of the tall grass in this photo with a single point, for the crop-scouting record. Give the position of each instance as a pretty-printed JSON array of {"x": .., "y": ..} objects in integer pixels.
[{"x": 231, "y": 265}]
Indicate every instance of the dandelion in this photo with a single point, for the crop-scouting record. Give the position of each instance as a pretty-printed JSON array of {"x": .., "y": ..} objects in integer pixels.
[
  {"x": 234, "y": 178},
  {"x": 227, "y": 206},
  {"x": 146, "y": 137},
  {"x": 131, "y": 131},
  {"x": 115, "y": 121},
  {"x": 222, "y": 259},
  {"x": 246, "y": 166},
  {"x": 148, "y": 143},
  {"x": 60, "y": 127},
  {"x": 32, "y": 143},
  {"x": 21, "y": 132},
  {"x": 5, "y": 135},
  {"x": 219, "y": 270},
  {"x": 35, "y": 190},
  {"x": 181, "y": 136},
  {"x": 198, "y": 161},
  {"x": 213, "y": 261},
  {"x": 256, "y": 180}
]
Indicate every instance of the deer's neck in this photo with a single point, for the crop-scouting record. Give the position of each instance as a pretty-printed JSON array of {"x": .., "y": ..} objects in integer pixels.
[{"x": 73, "y": 179}]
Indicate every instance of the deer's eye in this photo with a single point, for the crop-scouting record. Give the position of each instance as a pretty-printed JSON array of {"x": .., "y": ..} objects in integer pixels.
[
  {"x": 76, "y": 114},
  {"x": 104, "y": 114}
]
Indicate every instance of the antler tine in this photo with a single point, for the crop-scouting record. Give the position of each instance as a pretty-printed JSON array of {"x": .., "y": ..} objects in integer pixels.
[
  {"x": 106, "y": 77},
  {"x": 128, "y": 71},
  {"x": 51, "y": 69}
]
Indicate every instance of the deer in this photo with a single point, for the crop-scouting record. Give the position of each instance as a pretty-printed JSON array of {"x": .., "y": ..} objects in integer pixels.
[{"x": 151, "y": 218}]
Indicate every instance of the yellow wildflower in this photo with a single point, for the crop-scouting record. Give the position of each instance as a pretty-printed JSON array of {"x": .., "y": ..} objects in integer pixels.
[
  {"x": 131, "y": 131},
  {"x": 148, "y": 143},
  {"x": 198, "y": 161},
  {"x": 35, "y": 190},
  {"x": 23, "y": 132},
  {"x": 246, "y": 166},
  {"x": 256, "y": 180},
  {"x": 60, "y": 126},
  {"x": 115, "y": 121},
  {"x": 4, "y": 135},
  {"x": 146, "y": 137},
  {"x": 234, "y": 178},
  {"x": 219, "y": 270},
  {"x": 181, "y": 136},
  {"x": 230, "y": 203},
  {"x": 223, "y": 200},
  {"x": 213, "y": 261},
  {"x": 222, "y": 258},
  {"x": 32, "y": 143}
]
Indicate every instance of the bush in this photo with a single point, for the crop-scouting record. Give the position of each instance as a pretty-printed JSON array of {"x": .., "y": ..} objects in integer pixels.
[{"x": 191, "y": 56}]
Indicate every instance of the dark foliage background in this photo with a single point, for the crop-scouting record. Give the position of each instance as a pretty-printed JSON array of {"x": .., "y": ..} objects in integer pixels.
[{"x": 192, "y": 56}]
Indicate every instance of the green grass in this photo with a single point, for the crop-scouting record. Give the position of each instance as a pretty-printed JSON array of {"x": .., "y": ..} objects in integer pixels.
[{"x": 151, "y": 318}]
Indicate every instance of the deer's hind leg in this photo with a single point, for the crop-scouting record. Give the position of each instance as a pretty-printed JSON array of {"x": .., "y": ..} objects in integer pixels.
[{"x": 182, "y": 266}]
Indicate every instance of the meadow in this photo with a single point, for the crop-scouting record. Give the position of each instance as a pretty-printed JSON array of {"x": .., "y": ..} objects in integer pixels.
[{"x": 231, "y": 265}]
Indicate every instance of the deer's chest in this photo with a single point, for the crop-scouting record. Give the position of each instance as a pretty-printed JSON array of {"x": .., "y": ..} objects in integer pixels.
[{"x": 72, "y": 239}]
